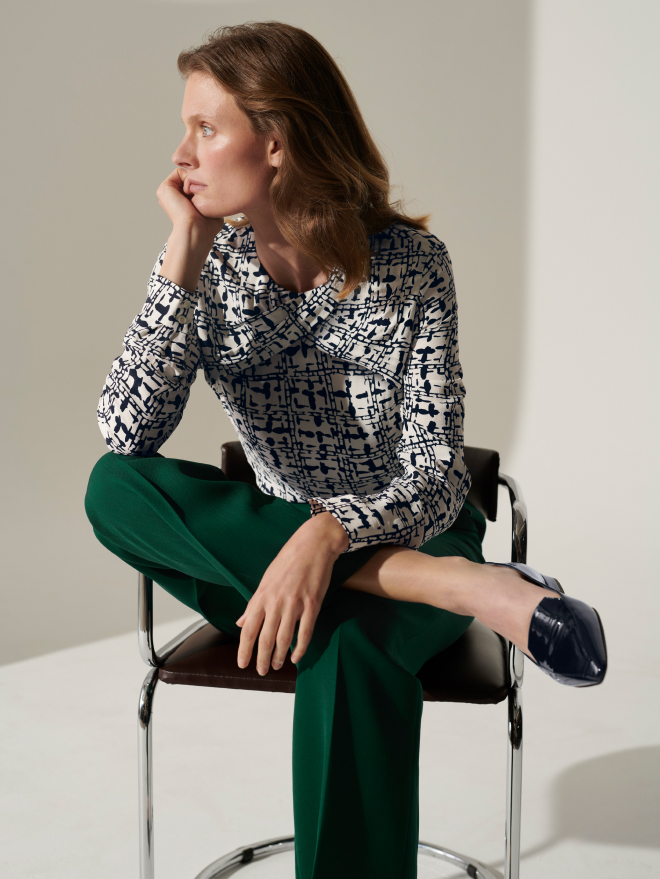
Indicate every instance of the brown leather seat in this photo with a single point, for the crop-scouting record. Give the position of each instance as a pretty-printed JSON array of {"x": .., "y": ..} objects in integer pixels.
[{"x": 474, "y": 669}]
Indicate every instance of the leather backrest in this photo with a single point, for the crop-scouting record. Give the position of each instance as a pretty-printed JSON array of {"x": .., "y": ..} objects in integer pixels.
[
  {"x": 484, "y": 467},
  {"x": 235, "y": 465}
]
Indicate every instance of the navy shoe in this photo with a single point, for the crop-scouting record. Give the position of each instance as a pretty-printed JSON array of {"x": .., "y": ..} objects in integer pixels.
[{"x": 566, "y": 636}]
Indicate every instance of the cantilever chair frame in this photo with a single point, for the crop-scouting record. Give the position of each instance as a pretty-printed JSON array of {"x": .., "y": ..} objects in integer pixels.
[{"x": 262, "y": 849}]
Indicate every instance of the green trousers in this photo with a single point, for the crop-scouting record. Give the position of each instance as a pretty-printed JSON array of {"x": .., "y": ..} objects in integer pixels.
[{"x": 358, "y": 705}]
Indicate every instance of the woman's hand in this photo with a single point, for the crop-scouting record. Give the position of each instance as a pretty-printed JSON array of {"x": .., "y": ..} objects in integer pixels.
[
  {"x": 192, "y": 235},
  {"x": 178, "y": 205},
  {"x": 291, "y": 590}
]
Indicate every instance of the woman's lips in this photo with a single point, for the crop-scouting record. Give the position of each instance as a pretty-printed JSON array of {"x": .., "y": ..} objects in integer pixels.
[{"x": 194, "y": 186}]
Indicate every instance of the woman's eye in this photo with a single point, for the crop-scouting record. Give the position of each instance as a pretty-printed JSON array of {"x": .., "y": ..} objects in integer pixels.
[{"x": 206, "y": 130}]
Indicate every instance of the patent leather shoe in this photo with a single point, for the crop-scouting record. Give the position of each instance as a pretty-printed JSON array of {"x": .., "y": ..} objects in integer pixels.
[{"x": 566, "y": 636}]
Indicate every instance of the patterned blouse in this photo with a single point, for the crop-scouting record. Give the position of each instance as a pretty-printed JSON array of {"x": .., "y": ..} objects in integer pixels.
[{"x": 355, "y": 406}]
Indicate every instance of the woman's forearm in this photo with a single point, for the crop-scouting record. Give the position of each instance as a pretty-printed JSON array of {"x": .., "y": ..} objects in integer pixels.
[
  {"x": 187, "y": 250},
  {"x": 148, "y": 385}
]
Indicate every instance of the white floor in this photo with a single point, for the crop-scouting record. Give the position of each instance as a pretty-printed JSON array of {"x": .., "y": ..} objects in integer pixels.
[{"x": 68, "y": 807}]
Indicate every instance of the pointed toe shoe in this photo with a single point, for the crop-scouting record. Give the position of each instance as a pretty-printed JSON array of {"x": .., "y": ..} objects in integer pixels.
[{"x": 566, "y": 637}]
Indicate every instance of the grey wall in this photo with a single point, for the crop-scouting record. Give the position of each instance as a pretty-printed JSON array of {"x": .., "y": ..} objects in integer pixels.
[
  {"x": 529, "y": 130},
  {"x": 91, "y": 110}
]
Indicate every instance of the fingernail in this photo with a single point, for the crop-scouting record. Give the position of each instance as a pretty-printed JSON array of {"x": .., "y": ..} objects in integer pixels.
[
  {"x": 242, "y": 663},
  {"x": 262, "y": 670},
  {"x": 277, "y": 665}
]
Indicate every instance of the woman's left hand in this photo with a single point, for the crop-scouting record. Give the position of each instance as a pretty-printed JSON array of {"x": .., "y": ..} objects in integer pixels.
[{"x": 291, "y": 590}]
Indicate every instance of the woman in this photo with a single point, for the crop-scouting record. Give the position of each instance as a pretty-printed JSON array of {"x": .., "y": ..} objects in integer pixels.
[{"x": 325, "y": 321}]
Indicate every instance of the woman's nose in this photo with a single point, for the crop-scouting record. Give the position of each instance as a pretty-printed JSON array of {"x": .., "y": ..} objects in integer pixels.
[{"x": 183, "y": 155}]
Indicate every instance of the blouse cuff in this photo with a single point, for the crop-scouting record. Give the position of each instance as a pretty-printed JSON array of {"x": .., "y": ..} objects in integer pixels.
[
  {"x": 365, "y": 524},
  {"x": 167, "y": 303}
]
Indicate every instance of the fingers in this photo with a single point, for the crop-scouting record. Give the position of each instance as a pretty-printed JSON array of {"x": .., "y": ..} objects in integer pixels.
[
  {"x": 266, "y": 643},
  {"x": 283, "y": 640},
  {"x": 305, "y": 632},
  {"x": 252, "y": 621},
  {"x": 173, "y": 199},
  {"x": 176, "y": 178},
  {"x": 175, "y": 181},
  {"x": 275, "y": 634}
]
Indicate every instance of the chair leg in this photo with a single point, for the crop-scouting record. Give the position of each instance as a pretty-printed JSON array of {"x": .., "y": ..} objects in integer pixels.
[
  {"x": 514, "y": 768},
  {"x": 145, "y": 775}
]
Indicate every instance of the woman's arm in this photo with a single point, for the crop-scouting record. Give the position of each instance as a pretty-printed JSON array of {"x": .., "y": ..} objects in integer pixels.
[
  {"x": 291, "y": 590},
  {"x": 192, "y": 234},
  {"x": 148, "y": 386},
  {"x": 413, "y": 508},
  {"x": 426, "y": 498}
]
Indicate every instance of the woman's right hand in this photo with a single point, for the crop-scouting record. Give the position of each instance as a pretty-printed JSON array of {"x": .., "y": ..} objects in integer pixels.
[
  {"x": 192, "y": 234},
  {"x": 179, "y": 207}
]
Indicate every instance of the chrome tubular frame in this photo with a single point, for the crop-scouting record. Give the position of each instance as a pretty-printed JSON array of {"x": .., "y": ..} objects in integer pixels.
[
  {"x": 515, "y": 712},
  {"x": 474, "y": 869},
  {"x": 246, "y": 854},
  {"x": 145, "y": 775},
  {"x": 268, "y": 847},
  {"x": 146, "y": 626},
  {"x": 145, "y": 711}
]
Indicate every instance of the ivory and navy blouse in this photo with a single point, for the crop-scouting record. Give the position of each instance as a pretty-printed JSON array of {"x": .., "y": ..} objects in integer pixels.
[{"x": 355, "y": 406}]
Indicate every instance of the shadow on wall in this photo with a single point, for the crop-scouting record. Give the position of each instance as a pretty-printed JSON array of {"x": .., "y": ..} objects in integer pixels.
[{"x": 612, "y": 799}]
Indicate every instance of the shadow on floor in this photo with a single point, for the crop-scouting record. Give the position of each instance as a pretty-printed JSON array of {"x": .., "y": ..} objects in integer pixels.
[{"x": 612, "y": 799}]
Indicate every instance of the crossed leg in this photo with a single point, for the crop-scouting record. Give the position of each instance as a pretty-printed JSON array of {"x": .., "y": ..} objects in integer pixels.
[{"x": 358, "y": 702}]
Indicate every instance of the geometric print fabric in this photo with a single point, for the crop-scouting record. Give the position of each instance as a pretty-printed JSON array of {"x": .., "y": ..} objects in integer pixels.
[{"x": 355, "y": 406}]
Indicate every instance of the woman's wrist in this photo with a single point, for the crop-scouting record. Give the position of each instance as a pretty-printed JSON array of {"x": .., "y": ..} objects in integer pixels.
[
  {"x": 187, "y": 249},
  {"x": 329, "y": 532}
]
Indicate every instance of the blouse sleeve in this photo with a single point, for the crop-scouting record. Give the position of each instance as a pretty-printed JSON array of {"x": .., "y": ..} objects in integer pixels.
[
  {"x": 148, "y": 386},
  {"x": 426, "y": 498}
]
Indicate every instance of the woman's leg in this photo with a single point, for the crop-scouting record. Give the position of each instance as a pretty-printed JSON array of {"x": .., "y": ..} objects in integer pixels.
[
  {"x": 497, "y": 596},
  {"x": 205, "y": 539},
  {"x": 357, "y": 722},
  {"x": 358, "y": 704},
  {"x": 185, "y": 524}
]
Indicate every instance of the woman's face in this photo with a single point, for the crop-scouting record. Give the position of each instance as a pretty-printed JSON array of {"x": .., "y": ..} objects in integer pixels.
[{"x": 227, "y": 165}]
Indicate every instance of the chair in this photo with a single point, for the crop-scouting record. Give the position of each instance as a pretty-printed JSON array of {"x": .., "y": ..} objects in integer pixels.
[{"x": 481, "y": 667}]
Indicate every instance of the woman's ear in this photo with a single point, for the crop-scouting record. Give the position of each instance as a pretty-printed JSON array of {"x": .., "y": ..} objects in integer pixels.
[{"x": 274, "y": 150}]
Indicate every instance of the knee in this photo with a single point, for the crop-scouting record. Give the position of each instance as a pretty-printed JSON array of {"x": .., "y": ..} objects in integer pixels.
[
  {"x": 345, "y": 663},
  {"x": 338, "y": 639},
  {"x": 104, "y": 487}
]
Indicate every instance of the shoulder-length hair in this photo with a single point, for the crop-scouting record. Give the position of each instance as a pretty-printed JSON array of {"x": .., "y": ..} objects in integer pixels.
[{"x": 332, "y": 189}]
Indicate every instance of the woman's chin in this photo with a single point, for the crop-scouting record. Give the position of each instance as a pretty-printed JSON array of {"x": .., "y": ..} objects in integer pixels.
[{"x": 207, "y": 209}]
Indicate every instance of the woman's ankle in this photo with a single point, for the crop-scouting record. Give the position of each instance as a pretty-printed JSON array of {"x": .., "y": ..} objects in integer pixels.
[{"x": 507, "y": 603}]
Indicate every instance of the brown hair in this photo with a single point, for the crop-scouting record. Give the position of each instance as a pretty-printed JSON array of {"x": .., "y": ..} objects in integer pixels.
[{"x": 332, "y": 188}]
